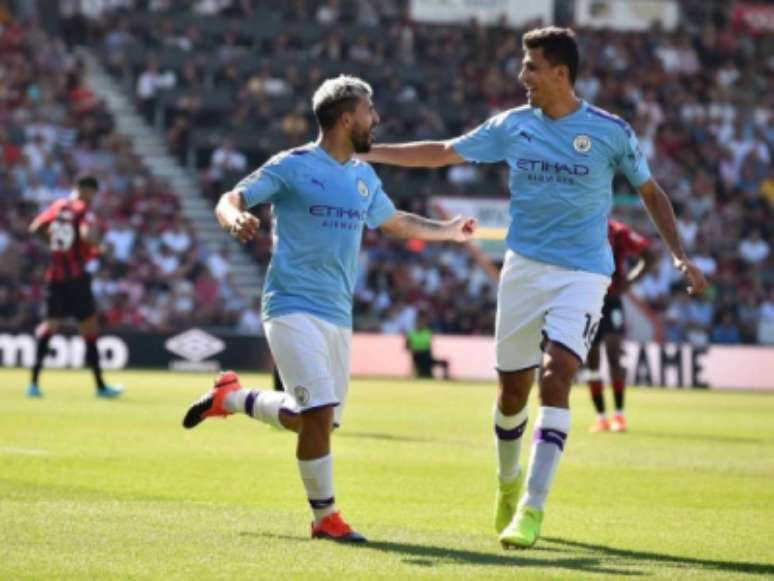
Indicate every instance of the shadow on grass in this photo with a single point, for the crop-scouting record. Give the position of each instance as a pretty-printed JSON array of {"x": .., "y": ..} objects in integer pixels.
[
  {"x": 644, "y": 558},
  {"x": 385, "y": 437},
  {"x": 432, "y": 556},
  {"x": 586, "y": 557}
]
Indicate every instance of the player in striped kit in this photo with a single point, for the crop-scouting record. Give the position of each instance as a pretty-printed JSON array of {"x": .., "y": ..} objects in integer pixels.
[
  {"x": 625, "y": 243},
  {"x": 68, "y": 227}
]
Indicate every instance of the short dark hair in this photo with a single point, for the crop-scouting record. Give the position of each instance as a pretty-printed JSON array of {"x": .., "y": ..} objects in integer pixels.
[
  {"x": 336, "y": 96},
  {"x": 559, "y": 47},
  {"x": 87, "y": 181}
]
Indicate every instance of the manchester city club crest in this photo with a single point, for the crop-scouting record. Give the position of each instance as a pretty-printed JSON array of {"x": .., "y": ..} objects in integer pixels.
[
  {"x": 362, "y": 188},
  {"x": 581, "y": 143},
  {"x": 302, "y": 394}
]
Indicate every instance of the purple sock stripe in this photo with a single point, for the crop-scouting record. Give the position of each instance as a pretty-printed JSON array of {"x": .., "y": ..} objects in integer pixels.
[
  {"x": 550, "y": 436},
  {"x": 321, "y": 503},
  {"x": 250, "y": 402},
  {"x": 514, "y": 434}
]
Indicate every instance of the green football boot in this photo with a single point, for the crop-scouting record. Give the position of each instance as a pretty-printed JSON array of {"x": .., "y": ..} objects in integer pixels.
[
  {"x": 523, "y": 530},
  {"x": 506, "y": 501}
]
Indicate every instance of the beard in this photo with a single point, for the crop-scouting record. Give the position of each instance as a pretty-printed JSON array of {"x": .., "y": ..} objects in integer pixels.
[{"x": 361, "y": 140}]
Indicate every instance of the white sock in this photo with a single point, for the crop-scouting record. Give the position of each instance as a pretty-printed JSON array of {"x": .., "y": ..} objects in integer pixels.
[
  {"x": 262, "y": 405},
  {"x": 551, "y": 430},
  {"x": 317, "y": 476},
  {"x": 235, "y": 401},
  {"x": 508, "y": 435}
]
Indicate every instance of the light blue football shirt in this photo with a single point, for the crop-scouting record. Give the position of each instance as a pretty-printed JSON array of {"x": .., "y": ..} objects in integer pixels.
[
  {"x": 319, "y": 207},
  {"x": 561, "y": 173}
]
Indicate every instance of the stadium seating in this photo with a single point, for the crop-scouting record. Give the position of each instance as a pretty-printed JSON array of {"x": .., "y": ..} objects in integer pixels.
[
  {"x": 698, "y": 103},
  {"x": 152, "y": 273}
]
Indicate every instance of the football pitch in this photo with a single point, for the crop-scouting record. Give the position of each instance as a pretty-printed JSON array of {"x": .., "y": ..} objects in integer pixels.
[{"x": 93, "y": 489}]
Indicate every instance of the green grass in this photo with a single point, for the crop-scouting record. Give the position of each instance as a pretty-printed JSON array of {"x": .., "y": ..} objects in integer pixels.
[{"x": 93, "y": 489}]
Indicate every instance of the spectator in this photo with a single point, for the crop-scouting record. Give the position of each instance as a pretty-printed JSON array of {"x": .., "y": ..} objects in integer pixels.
[
  {"x": 250, "y": 322},
  {"x": 177, "y": 236},
  {"x": 120, "y": 238},
  {"x": 726, "y": 331},
  {"x": 226, "y": 160},
  {"x": 149, "y": 84},
  {"x": 754, "y": 249},
  {"x": 219, "y": 264},
  {"x": 11, "y": 315}
]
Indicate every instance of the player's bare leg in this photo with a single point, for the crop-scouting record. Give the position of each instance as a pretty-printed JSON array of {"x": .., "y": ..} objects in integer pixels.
[
  {"x": 510, "y": 422},
  {"x": 89, "y": 330},
  {"x": 613, "y": 344},
  {"x": 596, "y": 388},
  {"x": 551, "y": 428},
  {"x": 43, "y": 334}
]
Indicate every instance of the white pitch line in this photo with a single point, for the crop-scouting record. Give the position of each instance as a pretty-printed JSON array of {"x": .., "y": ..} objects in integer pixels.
[{"x": 25, "y": 451}]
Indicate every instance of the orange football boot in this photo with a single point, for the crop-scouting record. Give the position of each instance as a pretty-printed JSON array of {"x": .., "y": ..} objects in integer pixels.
[
  {"x": 334, "y": 528},
  {"x": 618, "y": 424},
  {"x": 600, "y": 425},
  {"x": 210, "y": 405}
]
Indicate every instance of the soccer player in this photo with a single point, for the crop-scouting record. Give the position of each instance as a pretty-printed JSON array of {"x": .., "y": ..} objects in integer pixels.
[
  {"x": 321, "y": 199},
  {"x": 68, "y": 227},
  {"x": 625, "y": 243},
  {"x": 562, "y": 154}
]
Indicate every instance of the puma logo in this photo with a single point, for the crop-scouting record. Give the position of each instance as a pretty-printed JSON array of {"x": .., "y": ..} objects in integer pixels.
[{"x": 318, "y": 183}]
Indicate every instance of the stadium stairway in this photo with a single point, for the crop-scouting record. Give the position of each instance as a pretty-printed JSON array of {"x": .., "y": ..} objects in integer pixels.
[{"x": 149, "y": 145}]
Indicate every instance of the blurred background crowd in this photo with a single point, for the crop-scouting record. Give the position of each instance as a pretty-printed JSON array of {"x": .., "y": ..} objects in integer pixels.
[
  {"x": 228, "y": 83},
  {"x": 151, "y": 274}
]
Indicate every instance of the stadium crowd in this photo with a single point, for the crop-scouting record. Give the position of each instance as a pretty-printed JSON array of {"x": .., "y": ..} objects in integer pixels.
[
  {"x": 230, "y": 80},
  {"x": 151, "y": 274}
]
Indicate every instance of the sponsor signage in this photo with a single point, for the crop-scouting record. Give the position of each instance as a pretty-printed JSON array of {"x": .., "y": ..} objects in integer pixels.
[
  {"x": 512, "y": 12},
  {"x": 627, "y": 14},
  {"x": 492, "y": 215},
  {"x": 18, "y": 350},
  {"x": 194, "y": 346},
  {"x": 192, "y": 350},
  {"x": 647, "y": 364}
]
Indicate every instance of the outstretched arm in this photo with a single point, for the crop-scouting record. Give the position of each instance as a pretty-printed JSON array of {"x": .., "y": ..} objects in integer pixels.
[
  {"x": 232, "y": 216},
  {"x": 662, "y": 215},
  {"x": 415, "y": 154},
  {"x": 407, "y": 225},
  {"x": 646, "y": 261},
  {"x": 39, "y": 226}
]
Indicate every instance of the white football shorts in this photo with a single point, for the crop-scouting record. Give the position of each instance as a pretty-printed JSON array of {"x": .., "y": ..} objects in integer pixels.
[
  {"x": 536, "y": 300},
  {"x": 313, "y": 358}
]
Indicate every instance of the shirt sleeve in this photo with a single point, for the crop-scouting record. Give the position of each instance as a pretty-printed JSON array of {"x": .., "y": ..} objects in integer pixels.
[
  {"x": 47, "y": 216},
  {"x": 634, "y": 242},
  {"x": 381, "y": 208},
  {"x": 263, "y": 185},
  {"x": 487, "y": 143},
  {"x": 632, "y": 162}
]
